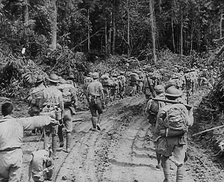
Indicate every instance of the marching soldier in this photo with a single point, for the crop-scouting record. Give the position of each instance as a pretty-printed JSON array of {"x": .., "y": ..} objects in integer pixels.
[
  {"x": 133, "y": 83},
  {"x": 152, "y": 106},
  {"x": 140, "y": 82},
  {"x": 95, "y": 97},
  {"x": 54, "y": 104},
  {"x": 87, "y": 80},
  {"x": 172, "y": 126},
  {"x": 107, "y": 84},
  {"x": 69, "y": 94},
  {"x": 11, "y": 134},
  {"x": 122, "y": 80},
  {"x": 114, "y": 87}
]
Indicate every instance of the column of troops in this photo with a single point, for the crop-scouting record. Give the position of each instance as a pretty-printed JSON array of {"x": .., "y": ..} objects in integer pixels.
[{"x": 53, "y": 102}]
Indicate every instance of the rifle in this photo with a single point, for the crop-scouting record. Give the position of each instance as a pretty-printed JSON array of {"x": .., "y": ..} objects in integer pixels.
[
  {"x": 174, "y": 102},
  {"x": 150, "y": 87},
  {"x": 201, "y": 132}
]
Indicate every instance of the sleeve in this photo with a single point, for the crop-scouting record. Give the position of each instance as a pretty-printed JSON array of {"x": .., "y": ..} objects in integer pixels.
[{"x": 31, "y": 123}]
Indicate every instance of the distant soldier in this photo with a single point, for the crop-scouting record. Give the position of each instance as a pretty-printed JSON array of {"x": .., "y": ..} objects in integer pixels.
[
  {"x": 95, "y": 97},
  {"x": 122, "y": 84},
  {"x": 133, "y": 83},
  {"x": 54, "y": 104},
  {"x": 177, "y": 79},
  {"x": 87, "y": 80},
  {"x": 107, "y": 84},
  {"x": 114, "y": 87},
  {"x": 69, "y": 94},
  {"x": 36, "y": 97},
  {"x": 11, "y": 137},
  {"x": 152, "y": 106},
  {"x": 141, "y": 78}
]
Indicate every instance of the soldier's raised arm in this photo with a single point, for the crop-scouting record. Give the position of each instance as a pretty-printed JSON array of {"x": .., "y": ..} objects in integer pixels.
[{"x": 31, "y": 123}]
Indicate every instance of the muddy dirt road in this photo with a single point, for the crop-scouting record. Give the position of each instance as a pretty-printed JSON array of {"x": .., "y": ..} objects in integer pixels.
[{"x": 122, "y": 151}]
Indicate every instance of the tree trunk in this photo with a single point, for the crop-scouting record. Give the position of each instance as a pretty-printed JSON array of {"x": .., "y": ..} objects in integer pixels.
[
  {"x": 114, "y": 29},
  {"x": 181, "y": 35},
  {"x": 106, "y": 38},
  {"x": 221, "y": 19},
  {"x": 192, "y": 34},
  {"x": 53, "y": 45},
  {"x": 128, "y": 31},
  {"x": 88, "y": 42},
  {"x": 173, "y": 35},
  {"x": 172, "y": 27},
  {"x": 26, "y": 12},
  {"x": 153, "y": 29},
  {"x": 110, "y": 34}
]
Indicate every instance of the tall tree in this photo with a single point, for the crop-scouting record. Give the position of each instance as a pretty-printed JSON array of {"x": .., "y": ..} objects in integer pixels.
[
  {"x": 53, "y": 15},
  {"x": 153, "y": 29},
  {"x": 128, "y": 29}
]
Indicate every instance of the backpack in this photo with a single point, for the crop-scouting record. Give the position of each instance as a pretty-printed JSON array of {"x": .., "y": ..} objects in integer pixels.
[
  {"x": 175, "y": 117},
  {"x": 154, "y": 107},
  {"x": 37, "y": 98},
  {"x": 67, "y": 90}
]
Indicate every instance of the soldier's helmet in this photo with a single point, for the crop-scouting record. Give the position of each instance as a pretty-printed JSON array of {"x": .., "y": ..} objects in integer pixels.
[
  {"x": 53, "y": 78},
  {"x": 95, "y": 75},
  {"x": 159, "y": 89},
  {"x": 39, "y": 79},
  {"x": 173, "y": 92}
]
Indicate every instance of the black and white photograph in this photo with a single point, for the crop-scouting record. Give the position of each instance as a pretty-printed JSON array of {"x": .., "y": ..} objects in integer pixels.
[{"x": 111, "y": 91}]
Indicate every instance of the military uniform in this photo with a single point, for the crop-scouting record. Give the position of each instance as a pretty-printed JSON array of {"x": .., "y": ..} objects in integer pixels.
[
  {"x": 152, "y": 106},
  {"x": 87, "y": 80},
  {"x": 134, "y": 83},
  {"x": 69, "y": 94},
  {"x": 140, "y": 82},
  {"x": 122, "y": 83},
  {"x": 172, "y": 143},
  {"x": 53, "y": 103},
  {"x": 114, "y": 87},
  {"x": 11, "y": 136},
  {"x": 107, "y": 84},
  {"x": 95, "y": 95}
]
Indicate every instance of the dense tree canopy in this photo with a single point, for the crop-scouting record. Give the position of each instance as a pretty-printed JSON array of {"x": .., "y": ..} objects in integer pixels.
[{"x": 110, "y": 26}]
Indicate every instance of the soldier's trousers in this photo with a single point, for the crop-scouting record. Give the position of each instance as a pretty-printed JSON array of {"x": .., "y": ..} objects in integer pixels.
[
  {"x": 10, "y": 165},
  {"x": 67, "y": 123}
]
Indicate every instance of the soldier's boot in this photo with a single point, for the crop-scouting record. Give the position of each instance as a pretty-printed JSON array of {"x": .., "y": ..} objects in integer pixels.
[
  {"x": 180, "y": 174},
  {"x": 94, "y": 121},
  {"x": 60, "y": 136},
  {"x": 68, "y": 141},
  {"x": 166, "y": 169},
  {"x": 98, "y": 123}
]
